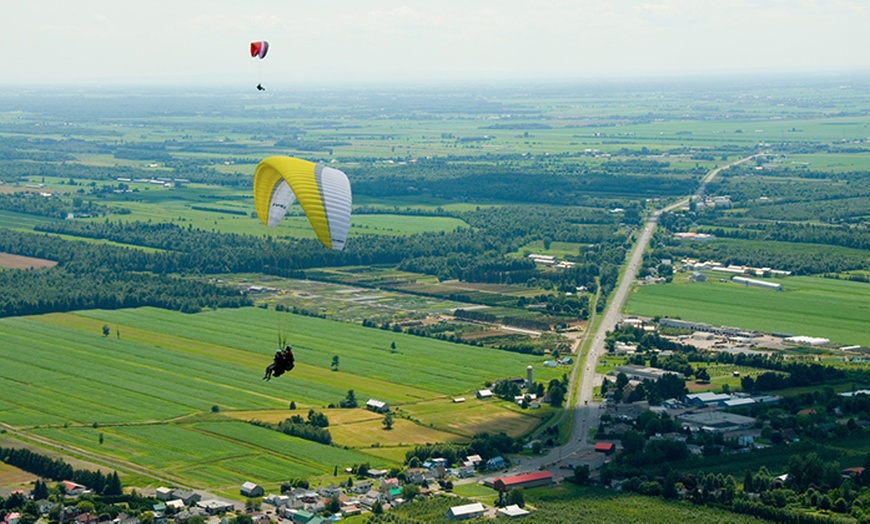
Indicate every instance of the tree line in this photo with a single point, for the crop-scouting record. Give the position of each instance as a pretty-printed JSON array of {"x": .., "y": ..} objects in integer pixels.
[{"x": 57, "y": 469}]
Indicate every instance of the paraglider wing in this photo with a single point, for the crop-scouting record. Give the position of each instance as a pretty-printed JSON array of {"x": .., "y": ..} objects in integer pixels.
[
  {"x": 259, "y": 49},
  {"x": 323, "y": 193}
]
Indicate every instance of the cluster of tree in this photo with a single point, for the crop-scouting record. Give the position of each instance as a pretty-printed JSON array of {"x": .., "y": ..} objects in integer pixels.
[
  {"x": 349, "y": 401},
  {"x": 811, "y": 484},
  {"x": 845, "y": 236},
  {"x": 475, "y": 315},
  {"x": 294, "y": 483},
  {"x": 33, "y": 203},
  {"x": 314, "y": 428},
  {"x": 57, "y": 469},
  {"x": 187, "y": 251},
  {"x": 58, "y": 289},
  {"x": 562, "y": 184},
  {"x": 484, "y": 444},
  {"x": 799, "y": 375},
  {"x": 654, "y": 391},
  {"x": 506, "y": 390}
]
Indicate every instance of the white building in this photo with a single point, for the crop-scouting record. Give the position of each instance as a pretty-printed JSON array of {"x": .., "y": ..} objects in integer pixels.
[
  {"x": 751, "y": 282},
  {"x": 468, "y": 511}
]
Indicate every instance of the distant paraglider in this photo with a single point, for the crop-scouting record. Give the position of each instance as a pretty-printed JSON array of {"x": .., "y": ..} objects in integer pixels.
[
  {"x": 259, "y": 50},
  {"x": 323, "y": 193}
]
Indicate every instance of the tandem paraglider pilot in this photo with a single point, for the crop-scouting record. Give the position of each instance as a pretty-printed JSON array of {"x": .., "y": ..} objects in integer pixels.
[{"x": 283, "y": 363}]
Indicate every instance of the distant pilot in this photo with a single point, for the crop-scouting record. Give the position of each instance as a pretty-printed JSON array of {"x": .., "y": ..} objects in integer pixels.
[
  {"x": 260, "y": 87},
  {"x": 282, "y": 363}
]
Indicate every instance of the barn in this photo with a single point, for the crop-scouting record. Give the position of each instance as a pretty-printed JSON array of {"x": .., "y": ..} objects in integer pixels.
[{"x": 524, "y": 480}]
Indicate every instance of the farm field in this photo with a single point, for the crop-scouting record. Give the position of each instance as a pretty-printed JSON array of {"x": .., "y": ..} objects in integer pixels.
[
  {"x": 172, "y": 393},
  {"x": 19, "y": 262},
  {"x": 810, "y": 306},
  {"x": 569, "y": 504}
]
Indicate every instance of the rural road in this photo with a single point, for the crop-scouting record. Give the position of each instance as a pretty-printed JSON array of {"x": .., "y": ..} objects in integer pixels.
[{"x": 586, "y": 411}]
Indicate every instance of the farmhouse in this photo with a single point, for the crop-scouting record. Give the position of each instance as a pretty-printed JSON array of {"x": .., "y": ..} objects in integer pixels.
[
  {"x": 468, "y": 511},
  {"x": 484, "y": 393},
  {"x": 525, "y": 480},
  {"x": 378, "y": 406}
]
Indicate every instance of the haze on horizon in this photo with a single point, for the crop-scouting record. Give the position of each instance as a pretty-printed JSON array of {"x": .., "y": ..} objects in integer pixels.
[{"x": 204, "y": 43}]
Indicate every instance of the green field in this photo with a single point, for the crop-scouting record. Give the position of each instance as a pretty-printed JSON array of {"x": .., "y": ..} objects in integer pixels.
[
  {"x": 152, "y": 388},
  {"x": 810, "y": 306}
]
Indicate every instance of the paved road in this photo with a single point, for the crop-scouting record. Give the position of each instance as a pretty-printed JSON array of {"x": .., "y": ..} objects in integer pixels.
[{"x": 587, "y": 412}]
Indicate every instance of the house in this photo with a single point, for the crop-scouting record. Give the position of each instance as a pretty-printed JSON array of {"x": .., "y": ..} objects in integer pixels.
[
  {"x": 371, "y": 498},
  {"x": 394, "y": 495},
  {"x": 417, "y": 475},
  {"x": 524, "y": 480},
  {"x": 484, "y": 393},
  {"x": 388, "y": 484},
  {"x": 278, "y": 501},
  {"x": 12, "y": 518},
  {"x": 85, "y": 518},
  {"x": 304, "y": 517},
  {"x": 175, "y": 505},
  {"x": 466, "y": 470},
  {"x": 361, "y": 487},
  {"x": 188, "y": 497},
  {"x": 214, "y": 506},
  {"x": 330, "y": 491},
  {"x": 605, "y": 447},
  {"x": 350, "y": 511},
  {"x": 378, "y": 406},
  {"x": 163, "y": 493},
  {"x": 495, "y": 463},
  {"x": 468, "y": 511},
  {"x": 73, "y": 489},
  {"x": 123, "y": 518},
  {"x": 251, "y": 490},
  {"x": 377, "y": 473},
  {"x": 474, "y": 459}
]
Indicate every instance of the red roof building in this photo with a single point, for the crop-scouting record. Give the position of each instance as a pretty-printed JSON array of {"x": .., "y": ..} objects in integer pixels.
[
  {"x": 605, "y": 447},
  {"x": 525, "y": 480}
]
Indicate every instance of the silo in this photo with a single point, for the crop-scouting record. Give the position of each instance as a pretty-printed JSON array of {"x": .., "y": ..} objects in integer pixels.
[{"x": 529, "y": 376}]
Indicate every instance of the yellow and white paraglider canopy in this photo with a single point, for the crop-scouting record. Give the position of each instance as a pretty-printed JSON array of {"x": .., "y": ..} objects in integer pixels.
[{"x": 323, "y": 193}]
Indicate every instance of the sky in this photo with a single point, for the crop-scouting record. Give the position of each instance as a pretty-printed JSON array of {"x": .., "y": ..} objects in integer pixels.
[{"x": 352, "y": 42}]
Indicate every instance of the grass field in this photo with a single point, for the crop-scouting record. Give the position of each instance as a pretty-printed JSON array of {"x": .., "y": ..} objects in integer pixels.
[
  {"x": 818, "y": 307},
  {"x": 172, "y": 392}
]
